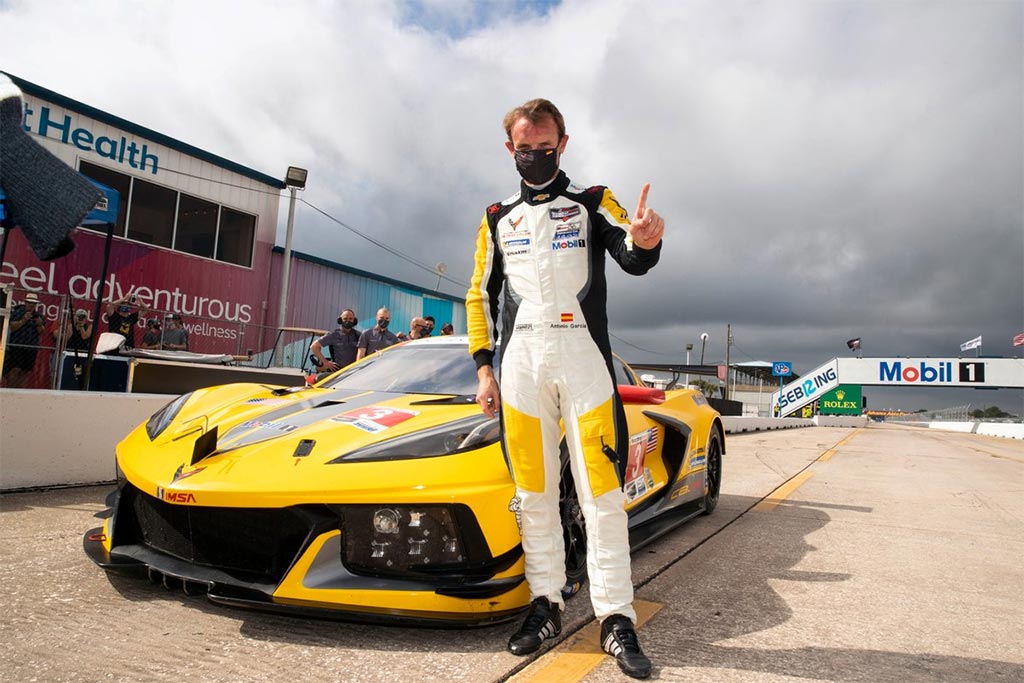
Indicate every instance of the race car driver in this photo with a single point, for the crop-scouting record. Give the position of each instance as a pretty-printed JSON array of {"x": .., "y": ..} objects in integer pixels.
[{"x": 545, "y": 246}]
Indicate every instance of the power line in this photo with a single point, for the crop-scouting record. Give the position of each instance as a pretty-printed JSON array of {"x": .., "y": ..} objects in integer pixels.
[
  {"x": 280, "y": 193},
  {"x": 391, "y": 250},
  {"x": 640, "y": 348},
  {"x": 277, "y": 193}
]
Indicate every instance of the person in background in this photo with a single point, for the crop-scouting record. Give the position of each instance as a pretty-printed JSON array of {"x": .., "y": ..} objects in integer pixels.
[
  {"x": 430, "y": 323},
  {"x": 545, "y": 249},
  {"x": 377, "y": 337},
  {"x": 416, "y": 327},
  {"x": 342, "y": 342},
  {"x": 78, "y": 332},
  {"x": 123, "y": 315},
  {"x": 175, "y": 336},
  {"x": 26, "y": 326},
  {"x": 151, "y": 337},
  {"x": 447, "y": 330}
]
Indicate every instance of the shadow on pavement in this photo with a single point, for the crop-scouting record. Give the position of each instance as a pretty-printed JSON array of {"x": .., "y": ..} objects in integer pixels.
[
  {"x": 845, "y": 665},
  {"x": 740, "y": 600}
]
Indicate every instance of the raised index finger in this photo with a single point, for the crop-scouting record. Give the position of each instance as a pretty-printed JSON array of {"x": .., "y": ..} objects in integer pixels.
[{"x": 641, "y": 206}]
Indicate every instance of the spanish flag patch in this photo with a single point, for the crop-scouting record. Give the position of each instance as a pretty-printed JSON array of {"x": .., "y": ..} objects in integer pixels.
[{"x": 567, "y": 317}]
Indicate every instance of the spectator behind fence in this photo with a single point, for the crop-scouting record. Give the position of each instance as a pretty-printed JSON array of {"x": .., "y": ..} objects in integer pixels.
[
  {"x": 77, "y": 335},
  {"x": 342, "y": 343},
  {"x": 26, "y": 326},
  {"x": 122, "y": 316},
  {"x": 447, "y": 330},
  {"x": 151, "y": 337},
  {"x": 175, "y": 336}
]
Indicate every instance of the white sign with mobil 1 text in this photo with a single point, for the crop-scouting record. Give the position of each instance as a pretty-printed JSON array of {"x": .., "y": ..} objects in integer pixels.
[{"x": 933, "y": 372}]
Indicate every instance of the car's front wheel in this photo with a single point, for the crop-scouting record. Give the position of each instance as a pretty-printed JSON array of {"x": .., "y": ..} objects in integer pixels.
[{"x": 713, "y": 475}]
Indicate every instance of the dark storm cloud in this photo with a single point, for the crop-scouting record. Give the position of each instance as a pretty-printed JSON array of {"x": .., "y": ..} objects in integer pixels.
[{"x": 826, "y": 170}]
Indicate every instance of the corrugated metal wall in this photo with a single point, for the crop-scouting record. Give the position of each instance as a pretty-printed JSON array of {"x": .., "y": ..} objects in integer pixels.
[{"x": 320, "y": 290}]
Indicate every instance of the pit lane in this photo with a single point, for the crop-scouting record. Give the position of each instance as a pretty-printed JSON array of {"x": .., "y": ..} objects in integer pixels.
[{"x": 872, "y": 554}]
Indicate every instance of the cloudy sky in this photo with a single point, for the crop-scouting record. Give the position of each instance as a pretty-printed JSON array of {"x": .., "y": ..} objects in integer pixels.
[{"x": 826, "y": 170}]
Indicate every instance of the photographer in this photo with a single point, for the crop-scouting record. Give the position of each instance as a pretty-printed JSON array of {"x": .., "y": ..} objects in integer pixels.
[
  {"x": 26, "y": 325},
  {"x": 78, "y": 333},
  {"x": 123, "y": 315}
]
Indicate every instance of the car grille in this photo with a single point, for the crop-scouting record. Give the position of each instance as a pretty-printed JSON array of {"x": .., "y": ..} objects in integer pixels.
[{"x": 255, "y": 542}]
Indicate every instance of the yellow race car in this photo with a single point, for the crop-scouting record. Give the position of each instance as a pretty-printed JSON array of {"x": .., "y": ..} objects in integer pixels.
[{"x": 380, "y": 494}]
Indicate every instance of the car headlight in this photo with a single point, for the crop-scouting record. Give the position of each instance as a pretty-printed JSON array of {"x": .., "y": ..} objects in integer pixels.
[
  {"x": 452, "y": 437},
  {"x": 391, "y": 539},
  {"x": 163, "y": 417}
]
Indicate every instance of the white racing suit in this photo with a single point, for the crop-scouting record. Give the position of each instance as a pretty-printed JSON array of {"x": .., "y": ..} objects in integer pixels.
[{"x": 546, "y": 248}]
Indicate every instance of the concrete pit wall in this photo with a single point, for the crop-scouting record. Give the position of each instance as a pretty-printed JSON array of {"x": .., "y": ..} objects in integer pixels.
[{"x": 60, "y": 438}]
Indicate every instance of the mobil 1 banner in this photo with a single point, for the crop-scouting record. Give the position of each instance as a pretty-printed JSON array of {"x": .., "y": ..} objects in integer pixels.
[{"x": 933, "y": 372}]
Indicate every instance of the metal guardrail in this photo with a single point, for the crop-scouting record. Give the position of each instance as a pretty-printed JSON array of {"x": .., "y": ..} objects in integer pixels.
[{"x": 954, "y": 414}]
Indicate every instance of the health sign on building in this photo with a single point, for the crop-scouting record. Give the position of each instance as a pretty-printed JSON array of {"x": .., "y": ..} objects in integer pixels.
[{"x": 843, "y": 400}]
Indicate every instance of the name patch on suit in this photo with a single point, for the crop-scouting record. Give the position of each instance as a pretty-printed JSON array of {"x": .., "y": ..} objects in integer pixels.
[{"x": 564, "y": 213}]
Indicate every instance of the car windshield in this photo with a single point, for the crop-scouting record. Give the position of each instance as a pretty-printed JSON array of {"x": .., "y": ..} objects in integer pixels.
[{"x": 413, "y": 368}]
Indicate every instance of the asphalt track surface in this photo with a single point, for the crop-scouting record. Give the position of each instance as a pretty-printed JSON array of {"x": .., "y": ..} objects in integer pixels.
[{"x": 876, "y": 554}]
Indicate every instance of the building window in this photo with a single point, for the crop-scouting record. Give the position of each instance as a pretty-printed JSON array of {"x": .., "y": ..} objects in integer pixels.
[
  {"x": 117, "y": 181},
  {"x": 152, "y": 214},
  {"x": 237, "y": 232},
  {"x": 167, "y": 218},
  {"x": 197, "y": 226}
]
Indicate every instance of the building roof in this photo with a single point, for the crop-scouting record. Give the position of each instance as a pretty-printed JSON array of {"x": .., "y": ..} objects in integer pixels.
[
  {"x": 762, "y": 370},
  {"x": 134, "y": 128}
]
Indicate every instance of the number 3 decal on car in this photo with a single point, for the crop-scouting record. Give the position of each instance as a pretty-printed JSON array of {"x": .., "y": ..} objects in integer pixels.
[{"x": 375, "y": 418}]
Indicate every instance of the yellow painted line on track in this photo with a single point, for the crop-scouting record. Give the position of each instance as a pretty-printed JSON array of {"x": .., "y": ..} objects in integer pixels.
[
  {"x": 579, "y": 655},
  {"x": 830, "y": 453},
  {"x": 783, "y": 492}
]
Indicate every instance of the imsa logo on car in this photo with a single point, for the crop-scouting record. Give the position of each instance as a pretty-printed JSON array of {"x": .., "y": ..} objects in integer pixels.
[{"x": 179, "y": 497}]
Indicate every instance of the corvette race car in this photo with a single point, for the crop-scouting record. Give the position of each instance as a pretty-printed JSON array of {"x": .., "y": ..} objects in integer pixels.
[{"x": 380, "y": 494}]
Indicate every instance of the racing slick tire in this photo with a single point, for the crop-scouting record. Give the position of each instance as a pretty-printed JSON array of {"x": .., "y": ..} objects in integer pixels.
[{"x": 713, "y": 463}]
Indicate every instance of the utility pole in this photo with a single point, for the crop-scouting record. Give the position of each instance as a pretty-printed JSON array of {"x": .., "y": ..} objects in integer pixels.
[
  {"x": 728, "y": 346},
  {"x": 689, "y": 347}
]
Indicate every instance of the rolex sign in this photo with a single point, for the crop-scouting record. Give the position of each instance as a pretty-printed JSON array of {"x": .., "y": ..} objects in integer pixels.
[{"x": 843, "y": 400}]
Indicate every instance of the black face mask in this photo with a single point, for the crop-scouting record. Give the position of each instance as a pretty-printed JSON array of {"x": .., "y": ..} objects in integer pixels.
[
  {"x": 537, "y": 166},
  {"x": 382, "y": 324},
  {"x": 347, "y": 324}
]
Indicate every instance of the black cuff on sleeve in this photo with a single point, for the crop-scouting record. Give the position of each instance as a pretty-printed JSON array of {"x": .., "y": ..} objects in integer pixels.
[
  {"x": 656, "y": 251},
  {"x": 483, "y": 357}
]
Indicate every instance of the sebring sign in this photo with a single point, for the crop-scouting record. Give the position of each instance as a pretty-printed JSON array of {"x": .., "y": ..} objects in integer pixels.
[{"x": 989, "y": 373}]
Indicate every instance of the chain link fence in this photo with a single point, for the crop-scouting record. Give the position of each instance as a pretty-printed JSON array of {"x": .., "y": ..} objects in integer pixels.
[
  {"x": 954, "y": 414},
  {"x": 45, "y": 336}
]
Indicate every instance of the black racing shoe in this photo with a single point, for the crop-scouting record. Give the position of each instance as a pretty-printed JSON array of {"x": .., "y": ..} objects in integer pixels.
[
  {"x": 544, "y": 620},
  {"x": 618, "y": 638}
]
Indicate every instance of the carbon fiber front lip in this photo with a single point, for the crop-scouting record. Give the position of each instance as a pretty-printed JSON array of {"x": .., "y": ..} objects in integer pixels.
[
  {"x": 225, "y": 589},
  {"x": 369, "y": 615}
]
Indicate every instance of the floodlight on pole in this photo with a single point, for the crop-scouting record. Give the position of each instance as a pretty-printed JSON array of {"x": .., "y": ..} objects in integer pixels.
[
  {"x": 441, "y": 269},
  {"x": 294, "y": 179},
  {"x": 703, "y": 343}
]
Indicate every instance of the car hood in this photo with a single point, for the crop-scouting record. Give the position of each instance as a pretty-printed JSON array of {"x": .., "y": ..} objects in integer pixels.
[
  {"x": 292, "y": 445},
  {"x": 351, "y": 417}
]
